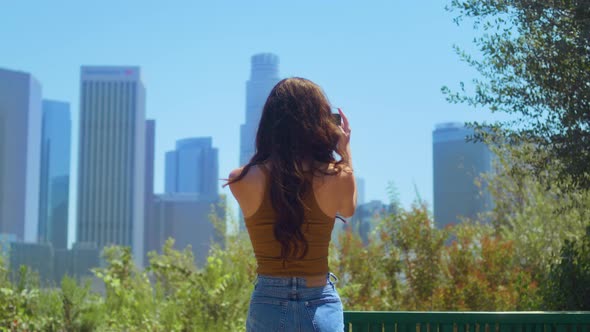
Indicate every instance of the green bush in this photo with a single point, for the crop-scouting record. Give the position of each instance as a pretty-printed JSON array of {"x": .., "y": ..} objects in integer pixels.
[{"x": 406, "y": 264}]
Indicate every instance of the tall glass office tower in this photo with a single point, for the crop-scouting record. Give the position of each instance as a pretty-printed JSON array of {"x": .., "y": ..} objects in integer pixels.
[
  {"x": 264, "y": 75},
  {"x": 20, "y": 151},
  {"x": 111, "y": 171},
  {"x": 150, "y": 139},
  {"x": 193, "y": 168},
  {"x": 457, "y": 164},
  {"x": 55, "y": 174}
]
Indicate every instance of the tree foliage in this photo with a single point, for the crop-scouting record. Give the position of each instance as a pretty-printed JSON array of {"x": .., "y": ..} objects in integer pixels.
[
  {"x": 409, "y": 265},
  {"x": 532, "y": 211},
  {"x": 406, "y": 264},
  {"x": 567, "y": 286},
  {"x": 420, "y": 245},
  {"x": 534, "y": 63},
  {"x": 482, "y": 273}
]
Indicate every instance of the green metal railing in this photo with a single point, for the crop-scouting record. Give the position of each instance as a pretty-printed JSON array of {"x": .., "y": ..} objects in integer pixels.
[{"x": 414, "y": 321}]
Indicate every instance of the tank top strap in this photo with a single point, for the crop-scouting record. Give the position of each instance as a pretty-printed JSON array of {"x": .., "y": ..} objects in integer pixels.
[
  {"x": 266, "y": 194},
  {"x": 265, "y": 205},
  {"x": 313, "y": 201}
]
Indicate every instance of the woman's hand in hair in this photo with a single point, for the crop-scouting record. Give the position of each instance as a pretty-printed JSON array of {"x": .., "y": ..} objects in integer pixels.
[{"x": 343, "y": 148}]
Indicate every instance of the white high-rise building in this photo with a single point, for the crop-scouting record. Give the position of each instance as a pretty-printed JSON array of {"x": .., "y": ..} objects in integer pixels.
[
  {"x": 110, "y": 208},
  {"x": 264, "y": 75},
  {"x": 20, "y": 153}
]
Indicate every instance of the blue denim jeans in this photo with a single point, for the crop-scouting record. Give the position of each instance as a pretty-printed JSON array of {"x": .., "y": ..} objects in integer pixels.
[{"x": 286, "y": 304}]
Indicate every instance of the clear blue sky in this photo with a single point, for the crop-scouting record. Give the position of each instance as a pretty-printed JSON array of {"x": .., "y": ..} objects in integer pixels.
[{"x": 382, "y": 62}]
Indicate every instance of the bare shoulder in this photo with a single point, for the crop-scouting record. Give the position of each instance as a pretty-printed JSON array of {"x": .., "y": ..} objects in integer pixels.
[
  {"x": 337, "y": 178},
  {"x": 249, "y": 190},
  {"x": 335, "y": 190},
  {"x": 346, "y": 178},
  {"x": 235, "y": 173},
  {"x": 252, "y": 177},
  {"x": 346, "y": 188}
]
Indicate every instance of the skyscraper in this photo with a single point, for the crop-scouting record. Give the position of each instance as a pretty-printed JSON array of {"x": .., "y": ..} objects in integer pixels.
[
  {"x": 264, "y": 75},
  {"x": 456, "y": 166},
  {"x": 111, "y": 171},
  {"x": 55, "y": 174},
  {"x": 20, "y": 151},
  {"x": 185, "y": 218},
  {"x": 149, "y": 231},
  {"x": 360, "y": 190},
  {"x": 193, "y": 168}
]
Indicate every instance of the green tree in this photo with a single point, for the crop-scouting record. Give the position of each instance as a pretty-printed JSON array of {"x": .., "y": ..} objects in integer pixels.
[
  {"x": 568, "y": 283},
  {"x": 420, "y": 245},
  {"x": 534, "y": 63},
  {"x": 531, "y": 211}
]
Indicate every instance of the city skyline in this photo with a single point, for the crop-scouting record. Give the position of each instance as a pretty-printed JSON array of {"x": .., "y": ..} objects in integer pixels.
[
  {"x": 195, "y": 165},
  {"x": 379, "y": 62}
]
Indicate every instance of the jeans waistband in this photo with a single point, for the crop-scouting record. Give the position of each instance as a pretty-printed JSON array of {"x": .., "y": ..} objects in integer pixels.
[{"x": 278, "y": 281}]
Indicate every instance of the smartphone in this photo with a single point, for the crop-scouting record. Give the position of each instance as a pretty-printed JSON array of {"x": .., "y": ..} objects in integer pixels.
[{"x": 337, "y": 119}]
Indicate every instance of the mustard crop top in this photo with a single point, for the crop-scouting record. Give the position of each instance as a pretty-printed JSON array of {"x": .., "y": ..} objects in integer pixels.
[{"x": 317, "y": 229}]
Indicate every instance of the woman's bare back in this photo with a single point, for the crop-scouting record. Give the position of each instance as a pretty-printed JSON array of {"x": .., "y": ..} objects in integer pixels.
[{"x": 334, "y": 192}]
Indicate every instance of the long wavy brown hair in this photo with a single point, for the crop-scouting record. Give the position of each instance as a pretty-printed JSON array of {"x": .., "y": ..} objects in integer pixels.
[{"x": 296, "y": 135}]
